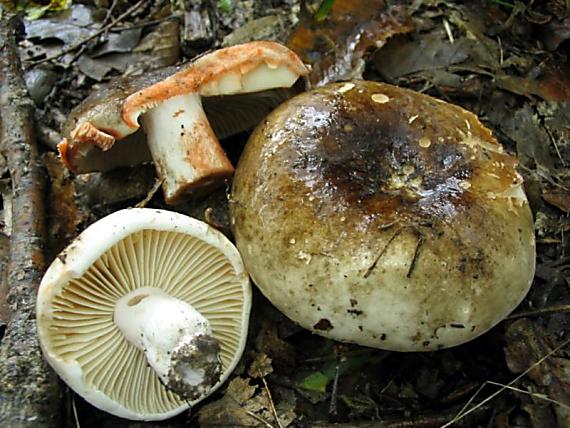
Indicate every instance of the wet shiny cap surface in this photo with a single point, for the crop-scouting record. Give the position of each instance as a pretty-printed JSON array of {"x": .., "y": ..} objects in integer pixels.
[
  {"x": 390, "y": 151},
  {"x": 378, "y": 215}
]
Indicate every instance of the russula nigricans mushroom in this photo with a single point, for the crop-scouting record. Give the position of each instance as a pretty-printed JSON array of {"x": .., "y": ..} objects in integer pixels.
[
  {"x": 233, "y": 87},
  {"x": 376, "y": 215},
  {"x": 145, "y": 313}
]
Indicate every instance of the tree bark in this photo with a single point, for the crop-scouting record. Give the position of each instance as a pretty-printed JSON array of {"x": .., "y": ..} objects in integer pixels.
[{"x": 29, "y": 390}]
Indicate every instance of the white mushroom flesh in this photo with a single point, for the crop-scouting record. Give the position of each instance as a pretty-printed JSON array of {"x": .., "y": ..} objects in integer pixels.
[
  {"x": 259, "y": 79},
  {"x": 176, "y": 339},
  {"x": 182, "y": 143},
  {"x": 184, "y": 148}
]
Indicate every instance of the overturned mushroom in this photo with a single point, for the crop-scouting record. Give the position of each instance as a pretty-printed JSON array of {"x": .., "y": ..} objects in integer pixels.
[
  {"x": 180, "y": 139},
  {"x": 145, "y": 313},
  {"x": 376, "y": 215}
]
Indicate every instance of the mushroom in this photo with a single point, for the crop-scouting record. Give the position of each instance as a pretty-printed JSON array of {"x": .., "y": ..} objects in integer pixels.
[
  {"x": 145, "y": 313},
  {"x": 376, "y": 215},
  {"x": 179, "y": 137}
]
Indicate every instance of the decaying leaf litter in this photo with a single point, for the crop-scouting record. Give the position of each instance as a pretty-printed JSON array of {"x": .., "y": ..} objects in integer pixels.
[{"x": 504, "y": 61}]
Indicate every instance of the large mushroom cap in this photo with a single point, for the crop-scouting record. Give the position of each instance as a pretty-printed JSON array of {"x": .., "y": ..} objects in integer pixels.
[
  {"x": 118, "y": 263},
  {"x": 376, "y": 215}
]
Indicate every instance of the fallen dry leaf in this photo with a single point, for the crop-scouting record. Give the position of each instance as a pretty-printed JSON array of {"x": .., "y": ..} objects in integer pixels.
[
  {"x": 260, "y": 367},
  {"x": 336, "y": 46},
  {"x": 269, "y": 343},
  {"x": 245, "y": 405},
  {"x": 527, "y": 343},
  {"x": 552, "y": 85},
  {"x": 555, "y": 32},
  {"x": 558, "y": 198},
  {"x": 239, "y": 390}
]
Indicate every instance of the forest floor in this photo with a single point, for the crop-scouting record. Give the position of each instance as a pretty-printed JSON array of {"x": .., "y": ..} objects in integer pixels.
[{"x": 507, "y": 61}]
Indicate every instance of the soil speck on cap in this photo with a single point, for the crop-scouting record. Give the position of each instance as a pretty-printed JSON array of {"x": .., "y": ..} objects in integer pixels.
[{"x": 323, "y": 325}]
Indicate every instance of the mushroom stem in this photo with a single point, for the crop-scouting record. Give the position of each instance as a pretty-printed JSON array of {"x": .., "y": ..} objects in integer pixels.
[
  {"x": 185, "y": 150},
  {"x": 175, "y": 338}
]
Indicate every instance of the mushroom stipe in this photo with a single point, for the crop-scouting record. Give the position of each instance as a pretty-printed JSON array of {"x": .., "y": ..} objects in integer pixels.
[{"x": 376, "y": 215}]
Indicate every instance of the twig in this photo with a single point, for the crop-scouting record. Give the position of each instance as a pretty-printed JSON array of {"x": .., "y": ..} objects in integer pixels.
[
  {"x": 501, "y": 54},
  {"x": 559, "y": 309},
  {"x": 75, "y": 415},
  {"x": 91, "y": 37},
  {"x": 461, "y": 414},
  {"x": 549, "y": 132},
  {"x": 110, "y": 11},
  {"x": 432, "y": 419},
  {"x": 148, "y": 23},
  {"x": 532, "y": 394},
  {"x": 468, "y": 403},
  {"x": 270, "y": 398},
  {"x": 373, "y": 265},
  {"x": 416, "y": 254},
  {"x": 29, "y": 391},
  {"x": 333, "y": 410},
  {"x": 502, "y": 3},
  {"x": 257, "y": 418},
  {"x": 563, "y": 240},
  {"x": 151, "y": 193},
  {"x": 80, "y": 52},
  {"x": 448, "y": 31},
  {"x": 545, "y": 176}
]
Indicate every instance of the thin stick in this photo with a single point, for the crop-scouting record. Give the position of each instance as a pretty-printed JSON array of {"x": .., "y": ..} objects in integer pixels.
[
  {"x": 75, "y": 415},
  {"x": 501, "y": 54},
  {"x": 532, "y": 394},
  {"x": 270, "y": 398},
  {"x": 373, "y": 265},
  {"x": 91, "y": 37},
  {"x": 257, "y": 418},
  {"x": 468, "y": 403},
  {"x": 448, "y": 31},
  {"x": 333, "y": 410},
  {"x": 549, "y": 132},
  {"x": 110, "y": 11},
  {"x": 147, "y": 23},
  {"x": 151, "y": 193},
  {"x": 416, "y": 255},
  {"x": 562, "y": 239},
  {"x": 560, "y": 309}
]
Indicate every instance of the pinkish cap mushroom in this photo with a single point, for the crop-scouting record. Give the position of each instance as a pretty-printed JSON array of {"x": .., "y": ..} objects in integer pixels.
[{"x": 179, "y": 137}]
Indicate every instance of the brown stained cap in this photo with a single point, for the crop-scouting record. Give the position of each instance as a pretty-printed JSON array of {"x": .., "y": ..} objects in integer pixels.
[{"x": 377, "y": 215}]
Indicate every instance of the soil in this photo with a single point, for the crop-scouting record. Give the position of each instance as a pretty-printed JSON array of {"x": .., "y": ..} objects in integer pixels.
[{"x": 506, "y": 61}]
